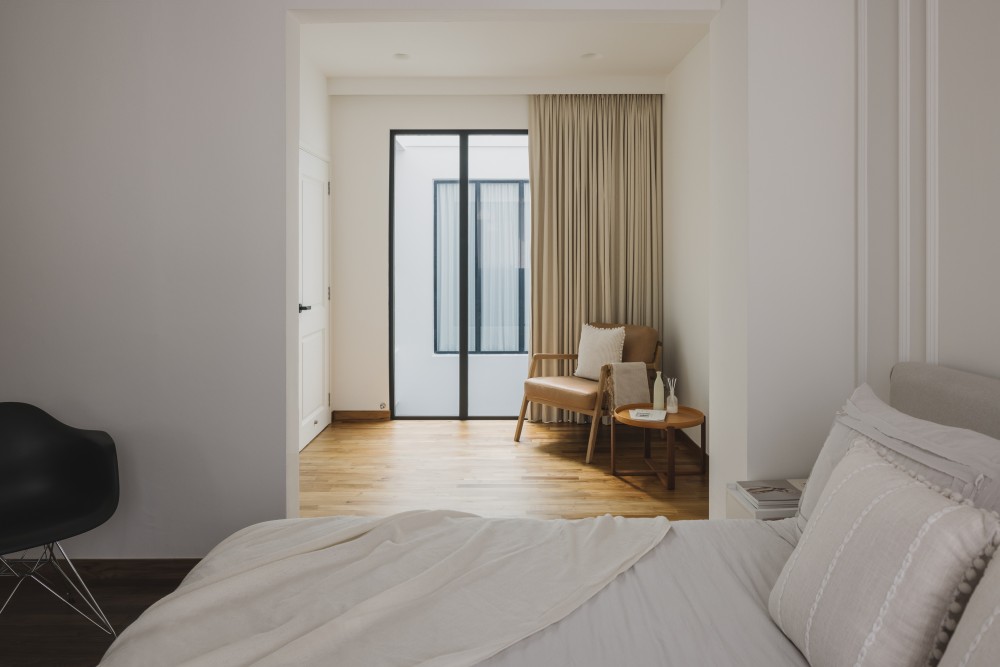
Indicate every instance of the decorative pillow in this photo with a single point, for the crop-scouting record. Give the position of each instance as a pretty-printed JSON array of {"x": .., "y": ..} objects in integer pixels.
[
  {"x": 598, "y": 347},
  {"x": 976, "y": 640},
  {"x": 880, "y": 561},
  {"x": 955, "y": 458}
]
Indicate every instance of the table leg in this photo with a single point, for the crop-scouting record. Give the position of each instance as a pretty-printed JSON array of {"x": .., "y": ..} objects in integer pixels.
[
  {"x": 645, "y": 443},
  {"x": 704, "y": 448},
  {"x": 670, "y": 460},
  {"x": 612, "y": 445}
]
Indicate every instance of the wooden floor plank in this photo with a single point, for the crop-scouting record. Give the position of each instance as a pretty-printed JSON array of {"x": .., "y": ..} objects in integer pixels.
[{"x": 376, "y": 468}]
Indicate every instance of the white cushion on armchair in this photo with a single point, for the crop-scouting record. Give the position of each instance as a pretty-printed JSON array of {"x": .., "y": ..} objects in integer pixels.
[{"x": 598, "y": 346}]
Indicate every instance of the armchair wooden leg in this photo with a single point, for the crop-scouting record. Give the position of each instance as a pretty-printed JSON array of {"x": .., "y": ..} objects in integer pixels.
[
  {"x": 595, "y": 422},
  {"x": 520, "y": 420}
]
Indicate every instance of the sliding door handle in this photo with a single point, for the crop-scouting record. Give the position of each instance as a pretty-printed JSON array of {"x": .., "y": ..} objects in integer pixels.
[{"x": 301, "y": 307}]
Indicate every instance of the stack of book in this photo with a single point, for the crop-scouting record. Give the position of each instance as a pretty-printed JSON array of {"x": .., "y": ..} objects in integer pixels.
[{"x": 771, "y": 494}]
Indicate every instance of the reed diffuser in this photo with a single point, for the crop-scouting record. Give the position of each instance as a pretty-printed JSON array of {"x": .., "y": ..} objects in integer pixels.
[{"x": 672, "y": 399}]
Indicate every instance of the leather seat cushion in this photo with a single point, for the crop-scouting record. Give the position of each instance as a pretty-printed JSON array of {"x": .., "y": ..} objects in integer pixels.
[{"x": 570, "y": 391}]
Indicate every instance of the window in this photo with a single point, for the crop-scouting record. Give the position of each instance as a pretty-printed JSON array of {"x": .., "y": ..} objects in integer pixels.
[{"x": 497, "y": 317}]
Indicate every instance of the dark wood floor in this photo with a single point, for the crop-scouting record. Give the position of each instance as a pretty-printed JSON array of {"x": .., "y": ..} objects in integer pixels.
[
  {"x": 37, "y": 629},
  {"x": 378, "y": 468}
]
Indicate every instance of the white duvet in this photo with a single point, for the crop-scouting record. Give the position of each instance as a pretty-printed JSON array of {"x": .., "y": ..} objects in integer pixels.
[{"x": 419, "y": 588}]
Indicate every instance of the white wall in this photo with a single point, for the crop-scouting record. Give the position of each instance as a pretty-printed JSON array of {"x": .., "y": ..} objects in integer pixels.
[
  {"x": 968, "y": 316},
  {"x": 142, "y": 254},
  {"x": 781, "y": 346},
  {"x": 360, "y": 203},
  {"x": 314, "y": 109},
  {"x": 727, "y": 336},
  {"x": 801, "y": 241},
  {"x": 687, "y": 227},
  {"x": 931, "y": 136}
]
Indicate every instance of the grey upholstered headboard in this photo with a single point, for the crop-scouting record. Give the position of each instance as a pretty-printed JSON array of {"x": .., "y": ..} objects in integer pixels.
[{"x": 946, "y": 396}]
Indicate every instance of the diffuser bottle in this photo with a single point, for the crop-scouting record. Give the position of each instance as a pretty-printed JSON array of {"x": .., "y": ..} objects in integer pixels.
[{"x": 671, "y": 399}]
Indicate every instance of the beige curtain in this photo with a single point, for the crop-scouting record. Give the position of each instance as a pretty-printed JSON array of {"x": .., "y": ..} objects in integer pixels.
[{"x": 597, "y": 218}]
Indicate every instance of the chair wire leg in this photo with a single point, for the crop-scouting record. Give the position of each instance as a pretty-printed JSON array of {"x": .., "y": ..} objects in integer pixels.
[
  {"x": 87, "y": 596},
  {"x": 10, "y": 570},
  {"x": 20, "y": 581},
  {"x": 31, "y": 570}
]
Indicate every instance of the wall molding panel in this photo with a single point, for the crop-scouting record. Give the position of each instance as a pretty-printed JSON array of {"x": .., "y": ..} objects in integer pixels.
[
  {"x": 933, "y": 222},
  {"x": 896, "y": 227},
  {"x": 904, "y": 180},
  {"x": 861, "y": 374}
]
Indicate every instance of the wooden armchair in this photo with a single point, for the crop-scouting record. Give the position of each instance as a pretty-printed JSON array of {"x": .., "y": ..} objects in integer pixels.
[{"x": 588, "y": 397}]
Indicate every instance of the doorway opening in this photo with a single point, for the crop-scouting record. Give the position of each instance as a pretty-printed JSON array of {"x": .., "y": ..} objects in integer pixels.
[{"x": 460, "y": 222}]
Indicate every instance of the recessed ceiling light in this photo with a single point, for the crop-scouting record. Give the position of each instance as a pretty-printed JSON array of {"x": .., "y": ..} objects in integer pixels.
[
  {"x": 401, "y": 56},
  {"x": 591, "y": 56}
]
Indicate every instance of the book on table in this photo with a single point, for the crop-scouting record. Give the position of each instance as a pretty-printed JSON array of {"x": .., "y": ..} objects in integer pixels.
[
  {"x": 647, "y": 414},
  {"x": 771, "y": 493}
]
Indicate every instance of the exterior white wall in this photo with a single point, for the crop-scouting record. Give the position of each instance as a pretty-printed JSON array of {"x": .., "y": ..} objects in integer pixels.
[
  {"x": 426, "y": 383},
  {"x": 687, "y": 228},
  {"x": 360, "y": 210}
]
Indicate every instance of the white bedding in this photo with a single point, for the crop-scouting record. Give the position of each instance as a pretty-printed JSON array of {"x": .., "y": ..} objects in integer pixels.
[
  {"x": 269, "y": 596},
  {"x": 419, "y": 588},
  {"x": 699, "y": 598}
]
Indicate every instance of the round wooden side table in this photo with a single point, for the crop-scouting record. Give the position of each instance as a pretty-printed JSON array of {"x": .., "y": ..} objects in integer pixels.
[{"x": 685, "y": 417}]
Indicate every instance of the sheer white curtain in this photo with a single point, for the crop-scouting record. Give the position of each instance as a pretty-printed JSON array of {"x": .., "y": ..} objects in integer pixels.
[
  {"x": 500, "y": 260},
  {"x": 446, "y": 267},
  {"x": 498, "y": 217}
]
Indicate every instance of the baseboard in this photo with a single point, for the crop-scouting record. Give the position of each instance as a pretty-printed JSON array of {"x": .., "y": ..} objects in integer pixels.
[
  {"x": 134, "y": 569},
  {"x": 360, "y": 415}
]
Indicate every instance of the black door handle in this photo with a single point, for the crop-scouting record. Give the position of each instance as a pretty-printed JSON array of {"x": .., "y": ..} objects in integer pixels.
[{"x": 301, "y": 307}]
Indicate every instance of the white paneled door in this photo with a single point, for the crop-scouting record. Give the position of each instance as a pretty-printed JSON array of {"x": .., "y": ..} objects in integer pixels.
[{"x": 314, "y": 295}]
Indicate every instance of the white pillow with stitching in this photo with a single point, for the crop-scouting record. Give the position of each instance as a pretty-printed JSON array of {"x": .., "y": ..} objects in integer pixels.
[
  {"x": 598, "y": 346},
  {"x": 976, "y": 640},
  {"x": 882, "y": 558}
]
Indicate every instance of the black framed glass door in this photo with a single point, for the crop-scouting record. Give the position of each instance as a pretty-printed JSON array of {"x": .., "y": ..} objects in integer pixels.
[{"x": 459, "y": 273}]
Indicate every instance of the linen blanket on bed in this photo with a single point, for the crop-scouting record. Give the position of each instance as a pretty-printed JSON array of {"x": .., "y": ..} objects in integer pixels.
[{"x": 419, "y": 588}]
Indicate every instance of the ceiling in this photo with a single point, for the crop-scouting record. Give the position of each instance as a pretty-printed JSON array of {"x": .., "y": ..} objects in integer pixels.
[{"x": 508, "y": 48}]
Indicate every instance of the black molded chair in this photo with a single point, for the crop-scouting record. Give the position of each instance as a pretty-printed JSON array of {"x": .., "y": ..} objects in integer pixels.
[{"x": 56, "y": 481}]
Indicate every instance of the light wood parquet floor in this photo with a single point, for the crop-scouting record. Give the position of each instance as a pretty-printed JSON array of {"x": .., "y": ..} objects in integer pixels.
[{"x": 378, "y": 468}]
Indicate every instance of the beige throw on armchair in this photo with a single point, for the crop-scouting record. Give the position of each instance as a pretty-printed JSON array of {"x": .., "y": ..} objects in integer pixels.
[
  {"x": 629, "y": 383},
  {"x": 597, "y": 223}
]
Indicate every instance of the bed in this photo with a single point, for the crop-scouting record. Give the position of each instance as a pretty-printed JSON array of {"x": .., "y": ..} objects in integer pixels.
[{"x": 611, "y": 590}]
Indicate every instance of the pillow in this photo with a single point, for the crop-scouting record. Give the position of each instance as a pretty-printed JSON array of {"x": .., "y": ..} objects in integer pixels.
[
  {"x": 598, "y": 347},
  {"x": 881, "y": 560},
  {"x": 957, "y": 459},
  {"x": 976, "y": 640}
]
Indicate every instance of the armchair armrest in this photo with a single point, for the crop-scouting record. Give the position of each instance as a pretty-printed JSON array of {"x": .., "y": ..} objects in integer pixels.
[{"x": 540, "y": 356}]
